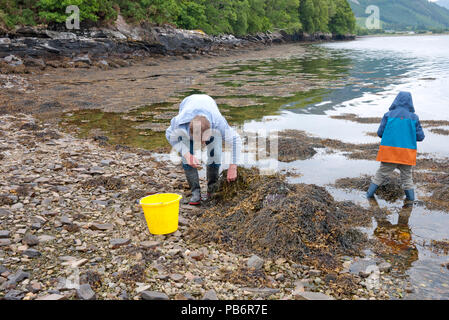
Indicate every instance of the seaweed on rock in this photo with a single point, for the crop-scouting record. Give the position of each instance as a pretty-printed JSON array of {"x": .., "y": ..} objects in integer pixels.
[{"x": 265, "y": 215}]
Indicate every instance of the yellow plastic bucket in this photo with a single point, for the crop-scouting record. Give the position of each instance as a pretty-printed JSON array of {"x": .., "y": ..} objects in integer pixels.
[{"x": 161, "y": 212}]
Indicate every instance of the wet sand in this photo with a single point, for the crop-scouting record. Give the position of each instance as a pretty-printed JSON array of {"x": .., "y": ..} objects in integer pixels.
[{"x": 147, "y": 82}]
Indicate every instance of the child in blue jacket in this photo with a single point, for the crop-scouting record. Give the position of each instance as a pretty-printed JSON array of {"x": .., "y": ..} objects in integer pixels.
[{"x": 400, "y": 130}]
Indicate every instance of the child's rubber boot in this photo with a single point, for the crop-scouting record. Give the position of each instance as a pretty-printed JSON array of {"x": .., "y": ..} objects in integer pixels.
[
  {"x": 194, "y": 182},
  {"x": 410, "y": 194},
  {"x": 372, "y": 190}
]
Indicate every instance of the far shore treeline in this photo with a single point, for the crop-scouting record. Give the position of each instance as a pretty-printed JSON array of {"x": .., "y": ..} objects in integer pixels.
[{"x": 238, "y": 17}]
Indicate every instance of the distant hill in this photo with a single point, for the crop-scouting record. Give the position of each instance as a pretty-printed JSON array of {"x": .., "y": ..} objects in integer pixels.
[
  {"x": 404, "y": 14},
  {"x": 443, "y": 3}
]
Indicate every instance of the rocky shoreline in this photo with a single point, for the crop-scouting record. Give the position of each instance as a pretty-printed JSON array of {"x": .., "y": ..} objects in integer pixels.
[
  {"x": 69, "y": 215},
  {"x": 28, "y": 48}
]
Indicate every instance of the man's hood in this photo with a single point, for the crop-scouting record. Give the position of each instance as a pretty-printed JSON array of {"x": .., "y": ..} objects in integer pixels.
[
  {"x": 186, "y": 116},
  {"x": 193, "y": 106},
  {"x": 403, "y": 100}
]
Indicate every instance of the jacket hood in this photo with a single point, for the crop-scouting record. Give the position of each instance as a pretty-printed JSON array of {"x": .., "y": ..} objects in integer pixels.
[
  {"x": 403, "y": 100},
  {"x": 188, "y": 115},
  {"x": 196, "y": 105}
]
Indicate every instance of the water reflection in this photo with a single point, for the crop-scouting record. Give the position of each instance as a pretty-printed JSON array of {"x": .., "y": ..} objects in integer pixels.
[{"x": 399, "y": 248}]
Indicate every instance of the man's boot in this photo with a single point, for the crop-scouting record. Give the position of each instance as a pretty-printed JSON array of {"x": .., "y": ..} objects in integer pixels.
[
  {"x": 194, "y": 182},
  {"x": 213, "y": 173}
]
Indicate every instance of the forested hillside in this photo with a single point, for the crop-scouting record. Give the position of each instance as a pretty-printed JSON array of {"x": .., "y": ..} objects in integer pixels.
[
  {"x": 239, "y": 17},
  {"x": 443, "y": 3},
  {"x": 405, "y": 14}
]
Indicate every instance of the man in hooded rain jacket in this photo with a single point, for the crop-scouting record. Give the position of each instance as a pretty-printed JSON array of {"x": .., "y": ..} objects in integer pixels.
[{"x": 200, "y": 123}]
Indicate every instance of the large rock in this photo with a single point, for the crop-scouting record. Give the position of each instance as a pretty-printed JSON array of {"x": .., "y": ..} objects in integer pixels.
[
  {"x": 210, "y": 295},
  {"x": 85, "y": 292},
  {"x": 53, "y": 296},
  {"x": 313, "y": 296},
  {"x": 30, "y": 239},
  {"x": 117, "y": 243},
  {"x": 2, "y": 269},
  {"x": 28, "y": 31},
  {"x": 362, "y": 268},
  {"x": 150, "y": 244},
  {"x": 255, "y": 262},
  {"x": 61, "y": 35},
  {"x": 18, "y": 277},
  {"x": 385, "y": 267},
  {"x": 126, "y": 31},
  {"x": 32, "y": 253},
  {"x": 168, "y": 39},
  {"x": 153, "y": 295},
  {"x": 14, "y": 295},
  {"x": 5, "y": 242},
  {"x": 45, "y": 238},
  {"x": 4, "y": 234},
  {"x": 83, "y": 58},
  {"x": 12, "y": 60},
  {"x": 66, "y": 220},
  {"x": 5, "y": 212},
  {"x": 264, "y": 292},
  {"x": 102, "y": 226}
]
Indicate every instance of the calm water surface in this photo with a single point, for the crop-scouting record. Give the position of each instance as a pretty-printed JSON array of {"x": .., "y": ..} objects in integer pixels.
[{"x": 378, "y": 68}]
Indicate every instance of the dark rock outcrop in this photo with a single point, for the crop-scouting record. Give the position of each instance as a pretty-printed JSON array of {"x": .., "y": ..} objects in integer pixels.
[{"x": 83, "y": 48}]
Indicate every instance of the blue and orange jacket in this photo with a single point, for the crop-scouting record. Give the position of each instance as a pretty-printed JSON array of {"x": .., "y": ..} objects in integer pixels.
[{"x": 400, "y": 130}]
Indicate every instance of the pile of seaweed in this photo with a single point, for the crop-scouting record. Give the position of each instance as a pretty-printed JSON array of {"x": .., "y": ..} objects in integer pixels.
[
  {"x": 354, "y": 118},
  {"x": 264, "y": 215},
  {"x": 297, "y": 145},
  {"x": 292, "y": 148},
  {"x": 390, "y": 190},
  {"x": 438, "y": 199},
  {"x": 440, "y": 131},
  {"x": 436, "y": 183}
]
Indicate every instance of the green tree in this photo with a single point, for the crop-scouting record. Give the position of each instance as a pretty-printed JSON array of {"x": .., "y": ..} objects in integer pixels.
[
  {"x": 54, "y": 10},
  {"x": 242, "y": 11},
  {"x": 307, "y": 14},
  {"x": 192, "y": 15},
  {"x": 343, "y": 21},
  {"x": 17, "y": 12},
  {"x": 257, "y": 19},
  {"x": 283, "y": 14},
  {"x": 322, "y": 15},
  {"x": 220, "y": 15},
  {"x": 152, "y": 11},
  {"x": 237, "y": 17}
]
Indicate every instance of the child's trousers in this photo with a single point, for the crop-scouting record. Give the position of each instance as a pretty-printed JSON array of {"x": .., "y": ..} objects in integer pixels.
[{"x": 386, "y": 169}]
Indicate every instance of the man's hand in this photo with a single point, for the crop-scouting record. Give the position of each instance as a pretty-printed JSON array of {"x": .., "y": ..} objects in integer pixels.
[
  {"x": 232, "y": 173},
  {"x": 191, "y": 160}
]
